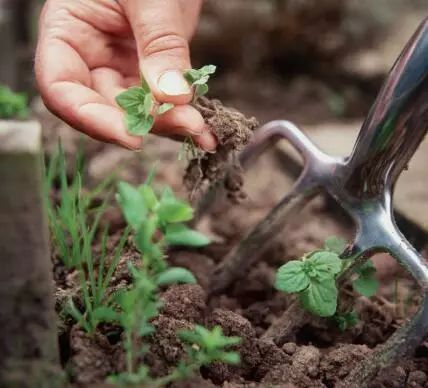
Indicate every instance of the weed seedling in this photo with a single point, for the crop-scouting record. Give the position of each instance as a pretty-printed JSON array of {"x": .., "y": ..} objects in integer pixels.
[
  {"x": 74, "y": 228},
  {"x": 313, "y": 278},
  {"x": 141, "y": 108},
  {"x": 198, "y": 79},
  {"x": 157, "y": 222},
  {"x": 13, "y": 105}
]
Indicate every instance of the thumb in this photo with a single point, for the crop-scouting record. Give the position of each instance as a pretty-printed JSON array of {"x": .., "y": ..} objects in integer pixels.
[{"x": 163, "y": 49}]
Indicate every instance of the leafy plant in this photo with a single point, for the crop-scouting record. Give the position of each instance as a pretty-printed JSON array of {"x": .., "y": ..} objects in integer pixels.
[
  {"x": 366, "y": 284},
  {"x": 158, "y": 221},
  {"x": 313, "y": 278},
  {"x": 199, "y": 79},
  {"x": 141, "y": 108},
  {"x": 346, "y": 320},
  {"x": 13, "y": 105}
]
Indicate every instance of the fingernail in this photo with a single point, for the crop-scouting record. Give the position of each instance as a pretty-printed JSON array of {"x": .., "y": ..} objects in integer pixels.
[{"x": 173, "y": 83}]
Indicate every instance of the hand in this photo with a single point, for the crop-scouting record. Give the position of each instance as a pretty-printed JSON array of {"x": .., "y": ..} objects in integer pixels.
[{"x": 89, "y": 51}]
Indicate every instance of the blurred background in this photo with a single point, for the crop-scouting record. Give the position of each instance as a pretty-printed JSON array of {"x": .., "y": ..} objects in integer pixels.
[{"x": 319, "y": 63}]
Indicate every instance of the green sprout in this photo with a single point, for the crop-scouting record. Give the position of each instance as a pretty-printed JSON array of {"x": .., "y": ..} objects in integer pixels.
[
  {"x": 13, "y": 105},
  {"x": 199, "y": 79},
  {"x": 141, "y": 108},
  {"x": 158, "y": 222},
  {"x": 314, "y": 277},
  {"x": 74, "y": 224}
]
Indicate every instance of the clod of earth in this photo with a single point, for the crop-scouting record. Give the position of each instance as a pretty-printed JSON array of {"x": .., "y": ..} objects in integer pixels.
[{"x": 233, "y": 131}]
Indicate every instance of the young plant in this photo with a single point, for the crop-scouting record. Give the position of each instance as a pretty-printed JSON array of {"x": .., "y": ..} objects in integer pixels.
[
  {"x": 158, "y": 221},
  {"x": 13, "y": 105},
  {"x": 141, "y": 108},
  {"x": 74, "y": 228},
  {"x": 313, "y": 278},
  {"x": 199, "y": 79}
]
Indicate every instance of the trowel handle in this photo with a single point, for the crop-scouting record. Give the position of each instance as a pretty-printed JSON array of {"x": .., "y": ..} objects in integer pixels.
[{"x": 396, "y": 124}]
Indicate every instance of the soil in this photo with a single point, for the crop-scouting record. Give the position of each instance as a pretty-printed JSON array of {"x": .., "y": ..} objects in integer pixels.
[
  {"x": 233, "y": 131},
  {"x": 316, "y": 354}
]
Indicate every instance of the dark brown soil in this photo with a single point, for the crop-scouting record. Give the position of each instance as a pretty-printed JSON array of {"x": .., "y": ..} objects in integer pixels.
[{"x": 233, "y": 131}]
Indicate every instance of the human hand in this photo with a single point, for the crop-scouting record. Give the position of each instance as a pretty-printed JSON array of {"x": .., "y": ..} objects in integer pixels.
[{"x": 89, "y": 51}]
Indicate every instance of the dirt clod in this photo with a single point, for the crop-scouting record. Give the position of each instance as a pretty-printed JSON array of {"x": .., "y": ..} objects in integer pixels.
[
  {"x": 306, "y": 359},
  {"x": 91, "y": 357},
  {"x": 185, "y": 301},
  {"x": 337, "y": 364},
  {"x": 233, "y": 131}
]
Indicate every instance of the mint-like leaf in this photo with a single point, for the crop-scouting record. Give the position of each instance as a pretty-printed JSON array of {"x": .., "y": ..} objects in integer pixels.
[
  {"x": 335, "y": 244},
  {"x": 324, "y": 264},
  {"x": 291, "y": 277},
  {"x": 320, "y": 298}
]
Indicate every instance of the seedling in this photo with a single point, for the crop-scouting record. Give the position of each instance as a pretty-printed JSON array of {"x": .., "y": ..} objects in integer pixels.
[
  {"x": 141, "y": 108},
  {"x": 13, "y": 105},
  {"x": 74, "y": 229},
  {"x": 158, "y": 222},
  {"x": 199, "y": 79},
  {"x": 313, "y": 278}
]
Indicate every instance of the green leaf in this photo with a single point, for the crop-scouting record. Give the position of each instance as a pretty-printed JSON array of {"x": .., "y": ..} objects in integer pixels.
[
  {"x": 201, "y": 81},
  {"x": 201, "y": 90},
  {"x": 105, "y": 314},
  {"x": 231, "y": 358},
  {"x": 149, "y": 196},
  {"x": 132, "y": 203},
  {"x": 208, "y": 69},
  {"x": 144, "y": 85},
  {"x": 346, "y": 320},
  {"x": 323, "y": 264},
  {"x": 179, "y": 234},
  {"x": 366, "y": 286},
  {"x": 175, "y": 275},
  {"x": 335, "y": 244},
  {"x": 164, "y": 108},
  {"x": 320, "y": 298},
  {"x": 191, "y": 75},
  {"x": 291, "y": 277},
  {"x": 131, "y": 99},
  {"x": 366, "y": 269},
  {"x": 148, "y": 104},
  {"x": 139, "y": 125},
  {"x": 173, "y": 210}
]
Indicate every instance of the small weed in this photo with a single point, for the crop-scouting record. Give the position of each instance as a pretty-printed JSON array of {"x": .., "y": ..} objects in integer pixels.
[
  {"x": 141, "y": 108},
  {"x": 199, "y": 80},
  {"x": 13, "y": 105},
  {"x": 73, "y": 229},
  {"x": 158, "y": 222},
  {"x": 346, "y": 320},
  {"x": 313, "y": 278}
]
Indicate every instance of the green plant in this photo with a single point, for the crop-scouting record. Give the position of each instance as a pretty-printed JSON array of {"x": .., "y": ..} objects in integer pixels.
[
  {"x": 141, "y": 108},
  {"x": 346, "y": 320},
  {"x": 158, "y": 222},
  {"x": 366, "y": 284},
  {"x": 199, "y": 79},
  {"x": 74, "y": 225},
  {"x": 73, "y": 221},
  {"x": 313, "y": 278},
  {"x": 13, "y": 105}
]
